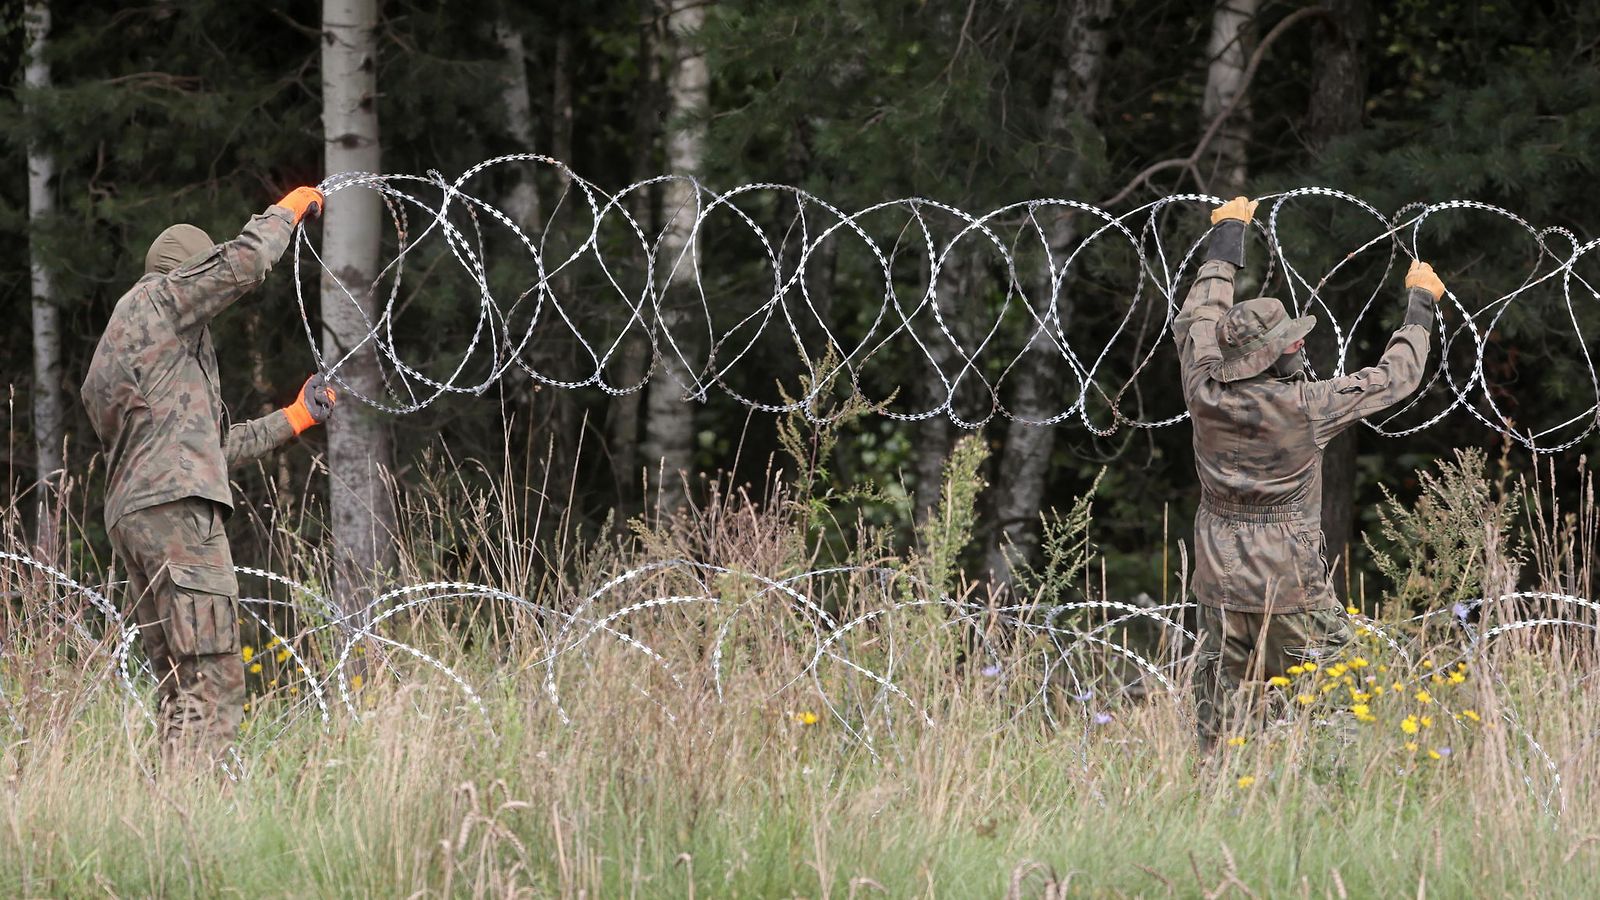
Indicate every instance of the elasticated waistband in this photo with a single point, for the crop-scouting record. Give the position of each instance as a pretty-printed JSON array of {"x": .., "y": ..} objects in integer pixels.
[{"x": 1294, "y": 513}]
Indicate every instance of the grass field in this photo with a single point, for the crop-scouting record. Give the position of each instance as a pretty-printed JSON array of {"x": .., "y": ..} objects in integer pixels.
[{"x": 697, "y": 731}]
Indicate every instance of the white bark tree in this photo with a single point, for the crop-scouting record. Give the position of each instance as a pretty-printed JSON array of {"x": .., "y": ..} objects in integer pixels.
[
  {"x": 523, "y": 202},
  {"x": 669, "y": 415},
  {"x": 49, "y": 407},
  {"x": 1233, "y": 24},
  {"x": 1025, "y": 460},
  {"x": 360, "y": 505}
]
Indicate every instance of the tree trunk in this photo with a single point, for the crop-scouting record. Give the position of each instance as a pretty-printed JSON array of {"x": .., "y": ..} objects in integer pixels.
[
  {"x": 669, "y": 414},
  {"x": 360, "y": 505},
  {"x": 1338, "y": 98},
  {"x": 633, "y": 355},
  {"x": 1232, "y": 37},
  {"x": 550, "y": 410},
  {"x": 49, "y": 407},
  {"x": 522, "y": 204},
  {"x": 1025, "y": 459},
  {"x": 937, "y": 435}
]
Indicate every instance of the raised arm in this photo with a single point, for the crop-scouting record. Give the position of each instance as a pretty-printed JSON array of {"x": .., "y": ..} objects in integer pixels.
[
  {"x": 1338, "y": 403},
  {"x": 197, "y": 291},
  {"x": 1212, "y": 293}
]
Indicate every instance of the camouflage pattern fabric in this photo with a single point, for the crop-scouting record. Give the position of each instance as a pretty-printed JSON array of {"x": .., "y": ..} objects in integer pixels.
[
  {"x": 185, "y": 601},
  {"x": 1258, "y": 446},
  {"x": 1239, "y": 651},
  {"x": 152, "y": 386}
]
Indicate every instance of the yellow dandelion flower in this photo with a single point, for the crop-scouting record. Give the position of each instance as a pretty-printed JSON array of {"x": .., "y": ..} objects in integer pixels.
[
  {"x": 1461, "y": 666},
  {"x": 1457, "y": 678},
  {"x": 1411, "y": 746},
  {"x": 1472, "y": 714},
  {"x": 355, "y": 682},
  {"x": 247, "y": 706},
  {"x": 1409, "y": 725},
  {"x": 1427, "y": 721},
  {"x": 273, "y": 643},
  {"x": 1423, "y": 696},
  {"x": 1297, "y": 670},
  {"x": 1361, "y": 709},
  {"x": 806, "y": 718},
  {"x": 1310, "y": 667},
  {"x": 1359, "y": 662},
  {"x": 255, "y": 668},
  {"x": 1437, "y": 678},
  {"x": 1278, "y": 681},
  {"x": 283, "y": 655},
  {"x": 1237, "y": 741},
  {"x": 1337, "y": 670},
  {"x": 247, "y": 652},
  {"x": 1352, "y": 610},
  {"x": 1397, "y": 687},
  {"x": 1434, "y": 754},
  {"x": 1306, "y": 699},
  {"x": 1382, "y": 668},
  {"x": 1246, "y": 781},
  {"x": 1427, "y": 664},
  {"x": 1330, "y": 687}
]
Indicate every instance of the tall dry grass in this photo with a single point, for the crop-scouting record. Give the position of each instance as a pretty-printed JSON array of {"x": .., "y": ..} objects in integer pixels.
[{"x": 928, "y": 756}]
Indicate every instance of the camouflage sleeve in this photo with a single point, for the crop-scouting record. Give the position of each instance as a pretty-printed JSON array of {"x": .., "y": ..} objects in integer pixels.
[
  {"x": 1209, "y": 298},
  {"x": 196, "y": 292},
  {"x": 249, "y": 441},
  {"x": 1335, "y": 404}
]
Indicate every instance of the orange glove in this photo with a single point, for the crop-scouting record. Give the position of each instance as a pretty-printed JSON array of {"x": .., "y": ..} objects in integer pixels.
[
  {"x": 313, "y": 406},
  {"x": 1241, "y": 208},
  {"x": 302, "y": 200},
  {"x": 1421, "y": 275}
]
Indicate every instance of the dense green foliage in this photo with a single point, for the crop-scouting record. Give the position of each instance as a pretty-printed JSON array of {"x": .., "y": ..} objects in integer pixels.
[{"x": 206, "y": 111}]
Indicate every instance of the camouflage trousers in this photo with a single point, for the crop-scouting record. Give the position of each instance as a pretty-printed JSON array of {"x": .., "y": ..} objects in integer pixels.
[
  {"x": 185, "y": 601},
  {"x": 1239, "y": 651}
]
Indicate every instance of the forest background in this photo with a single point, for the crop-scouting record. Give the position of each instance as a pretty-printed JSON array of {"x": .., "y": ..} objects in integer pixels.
[{"x": 159, "y": 112}]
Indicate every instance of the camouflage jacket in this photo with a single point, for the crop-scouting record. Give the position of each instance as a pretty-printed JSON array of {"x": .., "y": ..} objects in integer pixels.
[
  {"x": 152, "y": 387},
  {"x": 1258, "y": 446}
]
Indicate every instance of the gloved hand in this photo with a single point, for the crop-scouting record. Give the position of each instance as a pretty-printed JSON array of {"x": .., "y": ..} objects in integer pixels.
[
  {"x": 1241, "y": 208},
  {"x": 1421, "y": 275},
  {"x": 301, "y": 201},
  {"x": 313, "y": 406}
]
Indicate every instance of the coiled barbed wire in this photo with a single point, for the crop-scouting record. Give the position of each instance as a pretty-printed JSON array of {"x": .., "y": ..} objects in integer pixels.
[
  {"x": 909, "y": 337},
  {"x": 1063, "y": 647}
]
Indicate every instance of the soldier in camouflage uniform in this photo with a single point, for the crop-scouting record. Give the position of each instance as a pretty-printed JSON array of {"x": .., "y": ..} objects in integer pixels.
[
  {"x": 152, "y": 395},
  {"x": 1260, "y": 425}
]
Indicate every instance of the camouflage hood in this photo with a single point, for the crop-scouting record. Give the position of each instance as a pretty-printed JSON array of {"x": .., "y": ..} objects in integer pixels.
[
  {"x": 175, "y": 246},
  {"x": 1253, "y": 334}
]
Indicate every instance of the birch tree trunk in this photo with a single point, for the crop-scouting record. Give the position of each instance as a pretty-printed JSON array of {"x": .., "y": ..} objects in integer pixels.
[
  {"x": 359, "y": 451},
  {"x": 1025, "y": 459},
  {"x": 550, "y": 411},
  {"x": 49, "y": 408},
  {"x": 1338, "y": 99},
  {"x": 1232, "y": 37},
  {"x": 669, "y": 415},
  {"x": 522, "y": 204}
]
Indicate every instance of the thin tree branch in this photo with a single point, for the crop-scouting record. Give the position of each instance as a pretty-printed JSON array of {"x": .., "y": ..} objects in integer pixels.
[{"x": 1191, "y": 161}]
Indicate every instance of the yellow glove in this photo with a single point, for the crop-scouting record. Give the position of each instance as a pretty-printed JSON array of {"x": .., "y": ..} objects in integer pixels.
[
  {"x": 1421, "y": 275},
  {"x": 1241, "y": 208}
]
